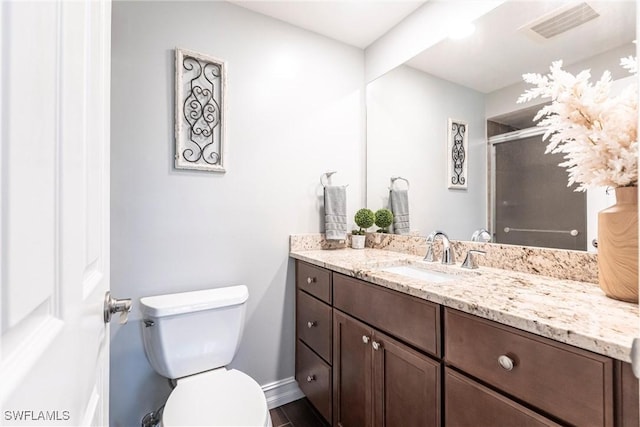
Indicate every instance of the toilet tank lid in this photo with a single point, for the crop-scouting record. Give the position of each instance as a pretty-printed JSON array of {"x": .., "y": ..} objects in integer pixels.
[{"x": 184, "y": 302}]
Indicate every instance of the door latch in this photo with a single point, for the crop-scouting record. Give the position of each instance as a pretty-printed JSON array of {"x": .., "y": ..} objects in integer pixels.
[{"x": 113, "y": 306}]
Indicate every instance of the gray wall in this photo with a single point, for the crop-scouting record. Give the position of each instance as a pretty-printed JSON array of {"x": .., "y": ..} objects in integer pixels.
[{"x": 296, "y": 109}]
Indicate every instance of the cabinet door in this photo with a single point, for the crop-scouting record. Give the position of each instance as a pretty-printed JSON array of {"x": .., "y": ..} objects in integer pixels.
[
  {"x": 468, "y": 404},
  {"x": 628, "y": 399},
  {"x": 406, "y": 385},
  {"x": 352, "y": 365}
]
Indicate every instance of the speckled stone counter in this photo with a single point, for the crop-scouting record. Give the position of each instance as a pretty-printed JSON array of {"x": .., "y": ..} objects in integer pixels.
[{"x": 572, "y": 312}]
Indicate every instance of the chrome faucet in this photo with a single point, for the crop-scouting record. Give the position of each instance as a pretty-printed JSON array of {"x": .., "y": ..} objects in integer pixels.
[
  {"x": 448, "y": 256},
  {"x": 470, "y": 260},
  {"x": 481, "y": 235}
]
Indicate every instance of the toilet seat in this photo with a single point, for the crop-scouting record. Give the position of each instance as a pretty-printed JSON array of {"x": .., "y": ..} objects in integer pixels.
[{"x": 217, "y": 398}]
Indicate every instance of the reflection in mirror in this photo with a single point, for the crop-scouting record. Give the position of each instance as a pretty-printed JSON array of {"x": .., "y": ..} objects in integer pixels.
[
  {"x": 532, "y": 204},
  {"x": 478, "y": 80},
  {"x": 407, "y": 115}
]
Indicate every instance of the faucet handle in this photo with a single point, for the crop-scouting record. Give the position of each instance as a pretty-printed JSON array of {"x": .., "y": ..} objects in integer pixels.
[
  {"x": 481, "y": 235},
  {"x": 429, "y": 256},
  {"x": 470, "y": 260}
]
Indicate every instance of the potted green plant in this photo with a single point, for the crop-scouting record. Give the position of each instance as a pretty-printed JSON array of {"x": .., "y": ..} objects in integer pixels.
[
  {"x": 383, "y": 219},
  {"x": 364, "y": 219}
]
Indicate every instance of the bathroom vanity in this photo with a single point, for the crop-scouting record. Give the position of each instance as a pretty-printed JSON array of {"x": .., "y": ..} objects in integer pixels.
[{"x": 488, "y": 347}]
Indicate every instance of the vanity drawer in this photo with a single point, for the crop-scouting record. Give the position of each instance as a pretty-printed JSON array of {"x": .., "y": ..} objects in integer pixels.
[
  {"x": 413, "y": 320},
  {"x": 467, "y": 403},
  {"x": 314, "y": 378},
  {"x": 313, "y": 324},
  {"x": 569, "y": 383},
  {"x": 314, "y": 280}
]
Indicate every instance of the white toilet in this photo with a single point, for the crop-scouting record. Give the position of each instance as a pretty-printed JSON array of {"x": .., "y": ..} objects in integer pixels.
[{"x": 191, "y": 337}]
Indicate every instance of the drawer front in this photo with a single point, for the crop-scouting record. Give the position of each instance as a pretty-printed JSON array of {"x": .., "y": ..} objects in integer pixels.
[
  {"x": 314, "y": 378},
  {"x": 468, "y": 403},
  {"x": 408, "y": 318},
  {"x": 313, "y": 324},
  {"x": 314, "y": 280},
  {"x": 571, "y": 384}
]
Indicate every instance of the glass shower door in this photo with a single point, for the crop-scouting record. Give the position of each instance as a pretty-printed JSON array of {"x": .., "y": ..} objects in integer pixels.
[{"x": 532, "y": 204}]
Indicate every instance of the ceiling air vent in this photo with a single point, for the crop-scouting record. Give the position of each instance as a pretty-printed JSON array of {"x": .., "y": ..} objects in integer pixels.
[{"x": 563, "y": 19}]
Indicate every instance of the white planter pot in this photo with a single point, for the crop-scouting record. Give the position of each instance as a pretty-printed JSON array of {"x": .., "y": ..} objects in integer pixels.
[{"x": 357, "y": 242}]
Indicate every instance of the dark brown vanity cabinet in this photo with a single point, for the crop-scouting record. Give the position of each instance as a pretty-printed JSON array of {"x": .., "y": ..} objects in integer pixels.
[
  {"x": 314, "y": 336},
  {"x": 571, "y": 385},
  {"x": 378, "y": 378},
  {"x": 379, "y": 381},
  {"x": 361, "y": 351},
  {"x": 370, "y": 356},
  {"x": 627, "y": 396}
]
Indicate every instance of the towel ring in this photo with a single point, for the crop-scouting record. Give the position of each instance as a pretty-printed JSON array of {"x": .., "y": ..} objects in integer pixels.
[
  {"x": 396, "y": 178},
  {"x": 327, "y": 175}
]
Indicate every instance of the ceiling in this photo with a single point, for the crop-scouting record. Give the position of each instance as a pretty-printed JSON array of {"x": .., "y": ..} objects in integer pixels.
[
  {"x": 501, "y": 50},
  {"x": 494, "y": 56},
  {"x": 354, "y": 22}
]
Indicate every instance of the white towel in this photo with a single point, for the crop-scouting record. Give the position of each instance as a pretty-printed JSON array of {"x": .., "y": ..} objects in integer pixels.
[
  {"x": 399, "y": 201},
  {"x": 335, "y": 212}
]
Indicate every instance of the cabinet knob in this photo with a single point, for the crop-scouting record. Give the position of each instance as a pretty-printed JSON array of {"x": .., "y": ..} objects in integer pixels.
[
  {"x": 506, "y": 362},
  {"x": 365, "y": 339},
  {"x": 376, "y": 345},
  {"x": 311, "y": 280},
  {"x": 311, "y": 324},
  {"x": 311, "y": 378}
]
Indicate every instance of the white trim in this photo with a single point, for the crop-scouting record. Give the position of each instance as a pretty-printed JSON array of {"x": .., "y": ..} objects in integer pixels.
[
  {"x": 281, "y": 392},
  {"x": 91, "y": 409}
]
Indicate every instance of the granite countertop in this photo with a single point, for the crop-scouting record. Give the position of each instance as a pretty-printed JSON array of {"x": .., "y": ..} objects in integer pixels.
[{"x": 572, "y": 312}]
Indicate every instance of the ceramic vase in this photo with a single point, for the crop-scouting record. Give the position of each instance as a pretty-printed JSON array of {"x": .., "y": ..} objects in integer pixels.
[
  {"x": 357, "y": 242},
  {"x": 618, "y": 246}
]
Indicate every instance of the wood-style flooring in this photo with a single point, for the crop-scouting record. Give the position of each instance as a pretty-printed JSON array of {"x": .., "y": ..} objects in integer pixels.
[{"x": 298, "y": 413}]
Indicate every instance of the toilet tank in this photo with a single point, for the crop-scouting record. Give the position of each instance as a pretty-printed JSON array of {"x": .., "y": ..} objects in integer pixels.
[{"x": 192, "y": 332}]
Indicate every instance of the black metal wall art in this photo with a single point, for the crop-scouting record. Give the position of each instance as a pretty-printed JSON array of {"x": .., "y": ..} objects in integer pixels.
[
  {"x": 200, "y": 111},
  {"x": 457, "y": 152}
]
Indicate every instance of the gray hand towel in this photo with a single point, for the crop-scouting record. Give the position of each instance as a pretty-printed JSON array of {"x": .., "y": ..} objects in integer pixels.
[
  {"x": 335, "y": 212},
  {"x": 399, "y": 200}
]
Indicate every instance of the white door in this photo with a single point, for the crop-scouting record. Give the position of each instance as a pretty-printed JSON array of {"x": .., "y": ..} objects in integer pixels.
[{"x": 54, "y": 195}]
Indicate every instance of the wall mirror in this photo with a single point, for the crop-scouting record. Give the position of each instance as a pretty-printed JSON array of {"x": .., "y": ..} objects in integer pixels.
[{"x": 477, "y": 80}]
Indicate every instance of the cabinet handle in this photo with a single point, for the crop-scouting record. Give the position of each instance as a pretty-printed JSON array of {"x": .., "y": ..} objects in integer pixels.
[
  {"x": 311, "y": 324},
  {"x": 311, "y": 378},
  {"x": 311, "y": 280},
  {"x": 506, "y": 362},
  {"x": 376, "y": 345},
  {"x": 365, "y": 339}
]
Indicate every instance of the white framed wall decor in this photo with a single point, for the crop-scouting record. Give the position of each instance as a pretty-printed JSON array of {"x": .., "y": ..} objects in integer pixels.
[
  {"x": 200, "y": 111},
  {"x": 457, "y": 149}
]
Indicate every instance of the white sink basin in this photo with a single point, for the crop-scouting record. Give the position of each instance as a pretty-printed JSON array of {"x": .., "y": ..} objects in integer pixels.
[{"x": 421, "y": 273}]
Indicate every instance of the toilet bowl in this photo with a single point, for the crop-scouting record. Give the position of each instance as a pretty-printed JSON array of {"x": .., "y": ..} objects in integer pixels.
[
  {"x": 191, "y": 337},
  {"x": 220, "y": 397}
]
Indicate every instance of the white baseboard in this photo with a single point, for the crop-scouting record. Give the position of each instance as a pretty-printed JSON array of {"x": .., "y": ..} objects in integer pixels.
[{"x": 282, "y": 392}]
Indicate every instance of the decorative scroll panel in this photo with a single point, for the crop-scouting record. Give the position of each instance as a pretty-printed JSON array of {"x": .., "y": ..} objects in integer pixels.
[
  {"x": 457, "y": 150},
  {"x": 200, "y": 111}
]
